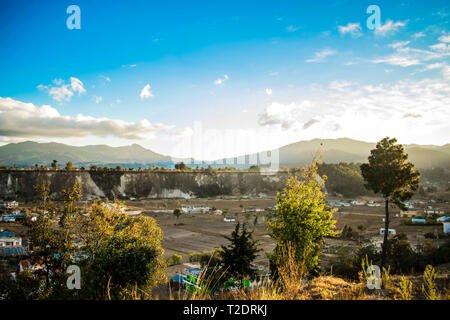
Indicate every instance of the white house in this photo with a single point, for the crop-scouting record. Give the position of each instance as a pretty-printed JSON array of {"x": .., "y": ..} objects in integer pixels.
[
  {"x": 446, "y": 227},
  {"x": 10, "y": 242},
  {"x": 390, "y": 231}
]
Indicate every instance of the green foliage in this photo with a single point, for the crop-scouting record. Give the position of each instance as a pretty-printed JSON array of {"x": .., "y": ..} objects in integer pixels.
[
  {"x": 69, "y": 198},
  {"x": 177, "y": 213},
  {"x": 181, "y": 166},
  {"x": 344, "y": 179},
  {"x": 174, "y": 259},
  {"x": 401, "y": 257},
  {"x": 429, "y": 287},
  {"x": 69, "y": 165},
  {"x": 121, "y": 264},
  {"x": 348, "y": 233},
  {"x": 302, "y": 218},
  {"x": 389, "y": 173},
  {"x": 405, "y": 291},
  {"x": 238, "y": 256}
]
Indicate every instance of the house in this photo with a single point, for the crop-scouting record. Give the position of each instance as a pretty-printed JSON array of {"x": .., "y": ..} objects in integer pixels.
[
  {"x": 373, "y": 204},
  {"x": 9, "y": 242},
  {"x": 443, "y": 219},
  {"x": 9, "y": 205},
  {"x": 446, "y": 227},
  {"x": 408, "y": 214},
  {"x": 11, "y": 246},
  {"x": 390, "y": 231}
]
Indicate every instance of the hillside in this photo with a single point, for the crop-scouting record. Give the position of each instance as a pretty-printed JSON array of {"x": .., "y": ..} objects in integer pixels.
[
  {"x": 293, "y": 155},
  {"x": 28, "y": 153}
]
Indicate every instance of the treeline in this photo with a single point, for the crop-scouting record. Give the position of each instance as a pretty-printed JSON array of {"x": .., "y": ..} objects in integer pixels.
[{"x": 344, "y": 179}]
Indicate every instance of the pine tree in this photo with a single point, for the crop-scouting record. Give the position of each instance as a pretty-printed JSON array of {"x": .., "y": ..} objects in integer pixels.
[
  {"x": 390, "y": 174},
  {"x": 237, "y": 258}
]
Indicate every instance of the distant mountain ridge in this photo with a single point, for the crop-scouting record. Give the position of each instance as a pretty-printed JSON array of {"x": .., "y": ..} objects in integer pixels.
[
  {"x": 348, "y": 150},
  {"x": 293, "y": 155},
  {"x": 29, "y": 153}
]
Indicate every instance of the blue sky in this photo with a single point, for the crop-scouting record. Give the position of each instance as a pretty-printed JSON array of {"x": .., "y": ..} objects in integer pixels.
[{"x": 253, "y": 75}]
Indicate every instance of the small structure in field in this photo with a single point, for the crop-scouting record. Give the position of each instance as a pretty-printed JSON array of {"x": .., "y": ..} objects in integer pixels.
[{"x": 390, "y": 231}]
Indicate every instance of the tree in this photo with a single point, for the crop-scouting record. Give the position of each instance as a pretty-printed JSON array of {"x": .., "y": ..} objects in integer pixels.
[
  {"x": 237, "y": 258},
  {"x": 69, "y": 165},
  {"x": 177, "y": 213},
  {"x": 54, "y": 164},
  {"x": 69, "y": 198},
  {"x": 301, "y": 219},
  {"x": 180, "y": 166},
  {"x": 391, "y": 175}
]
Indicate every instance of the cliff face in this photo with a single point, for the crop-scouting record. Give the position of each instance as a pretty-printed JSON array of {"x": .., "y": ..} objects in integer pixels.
[{"x": 20, "y": 184}]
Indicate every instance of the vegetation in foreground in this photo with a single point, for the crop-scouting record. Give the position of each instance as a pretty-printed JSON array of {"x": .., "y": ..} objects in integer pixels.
[{"x": 122, "y": 258}]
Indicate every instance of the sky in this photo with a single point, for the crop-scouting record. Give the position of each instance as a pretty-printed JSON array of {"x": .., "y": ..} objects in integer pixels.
[{"x": 213, "y": 79}]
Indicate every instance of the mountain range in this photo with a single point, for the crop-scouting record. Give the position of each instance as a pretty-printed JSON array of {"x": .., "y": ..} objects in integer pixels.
[{"x": 293, "y": 155}]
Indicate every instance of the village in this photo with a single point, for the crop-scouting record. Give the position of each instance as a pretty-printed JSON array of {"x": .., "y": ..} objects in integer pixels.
[{"x": 203, "y": 224}]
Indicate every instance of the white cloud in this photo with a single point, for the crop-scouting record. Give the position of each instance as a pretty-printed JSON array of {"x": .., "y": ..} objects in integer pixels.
[
  {"x": 25, "y": 120},
  {"x": 419, "y": 35},
  {"x": 98, "y": 99},
  {"x": 445, "y": 38},
  {"x": 221, "y": 81},
  {"x": 319, "y": 56},
  {"x": 440, "y": 47},
  {"x": 60, "y": 93},
  {"x": 63, "y": 92},
  {"x": 77, "y": 85},
  {"x": 340, "y": 85},
  {"x": 352, "y": 28},
  {"x": 399, "y": 44},
  {"x": 146, "y": 92},
  {"x": 432, "y": 66},
  {"x": 398, "y": 60},
  {"x": 406, "y": 56},
  {"x": 409, "y": 110},
  {"x": 268, "y": 91},
  {"x": 389, "y": 27}
]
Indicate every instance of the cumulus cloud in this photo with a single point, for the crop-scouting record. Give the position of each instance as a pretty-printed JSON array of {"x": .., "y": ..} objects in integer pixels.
[
  {"x": 419, "y": 35},
  {"x": 146, "y": 92},
  {"x": 77, "y": 85},
  {"x": 61, "y": 91},
  {"x": 25, "y": 120},
  {"x": 354, "y": 29},
  {"x": 445, "y": 38},
  {"x": 319, "y": 56},
  {"x": 221, "y": 81},
  {"x": 389, "y": 27}
]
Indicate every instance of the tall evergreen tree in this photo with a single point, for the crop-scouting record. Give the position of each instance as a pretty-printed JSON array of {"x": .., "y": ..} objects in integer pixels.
[
  {"x": 390, "y": 174},
  {"x": 237, "y": 258}
]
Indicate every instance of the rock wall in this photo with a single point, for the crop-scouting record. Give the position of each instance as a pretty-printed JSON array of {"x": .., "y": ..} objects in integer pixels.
[{"x": 20, "y": 184}]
